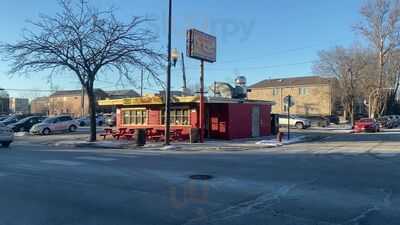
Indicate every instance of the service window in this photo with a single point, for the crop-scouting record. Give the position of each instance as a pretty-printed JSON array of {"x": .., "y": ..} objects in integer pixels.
[{"x": 134, "y": 116}]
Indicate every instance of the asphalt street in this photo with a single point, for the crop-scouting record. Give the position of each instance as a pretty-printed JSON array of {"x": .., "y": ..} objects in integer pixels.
[{"x": 308, "y": 183}]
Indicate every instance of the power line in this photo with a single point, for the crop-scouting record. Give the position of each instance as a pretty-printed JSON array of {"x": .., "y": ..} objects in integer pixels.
[{"x": 261, "y": 67}]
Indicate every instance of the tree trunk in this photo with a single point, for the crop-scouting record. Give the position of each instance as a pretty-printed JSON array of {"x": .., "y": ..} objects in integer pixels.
[
  {"x": 352, "y": 119},
  {"x": 92, "y": 113}
]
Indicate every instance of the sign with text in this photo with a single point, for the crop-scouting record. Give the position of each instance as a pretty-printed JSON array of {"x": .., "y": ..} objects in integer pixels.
[{"x": 202, "y": 46}]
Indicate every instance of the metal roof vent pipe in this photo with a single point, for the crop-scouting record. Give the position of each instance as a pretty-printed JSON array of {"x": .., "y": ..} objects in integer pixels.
[{"x": 240, "y": 87}]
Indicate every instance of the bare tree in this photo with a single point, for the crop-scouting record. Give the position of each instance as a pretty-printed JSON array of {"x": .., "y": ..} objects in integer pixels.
[
  {"x": 347, "y": 66},
  {"x": 381, "y": 29},
  {"x": 85, "y": 41}
]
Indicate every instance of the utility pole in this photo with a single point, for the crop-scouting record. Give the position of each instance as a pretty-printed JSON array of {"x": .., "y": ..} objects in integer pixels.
[
  {"x": 288, "y": 108},
  {"x": 141, "y": 83},
  {"x": 168, "y": 88}
]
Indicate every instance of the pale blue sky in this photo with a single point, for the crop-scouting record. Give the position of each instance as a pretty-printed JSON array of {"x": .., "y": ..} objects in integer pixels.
[{"x": 259, "y": 39}]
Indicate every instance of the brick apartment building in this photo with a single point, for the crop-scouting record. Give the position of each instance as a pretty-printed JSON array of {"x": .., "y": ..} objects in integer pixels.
[
  {"x": 19, "y": 105},
  {"x": 70, "y": 102},
  {"x": 313, "y": 95},
  {"x": 40, "y": 106}
]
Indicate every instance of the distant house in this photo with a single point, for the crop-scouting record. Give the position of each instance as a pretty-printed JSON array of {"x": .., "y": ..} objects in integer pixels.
[
  {"x": 4, "y": 102},
  {"x": 122, "y": 94},
  {"x": 19, "y": 105},
  {"x": 72, "y": 103},
  {"x": 40, "y": 106},
  {"x": 313, "y": 95}
]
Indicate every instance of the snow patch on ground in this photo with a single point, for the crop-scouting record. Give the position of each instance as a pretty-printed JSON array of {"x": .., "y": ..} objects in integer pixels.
[
  {"x": 20, "y": 134},
  {"x": 276, "y": 143},
  {"x": 99, "y": 144}
]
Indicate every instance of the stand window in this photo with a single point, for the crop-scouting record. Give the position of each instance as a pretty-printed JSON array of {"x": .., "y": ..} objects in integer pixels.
[
  {"x": 178, "y": 117},
  {"x": 135, "y": 117}
]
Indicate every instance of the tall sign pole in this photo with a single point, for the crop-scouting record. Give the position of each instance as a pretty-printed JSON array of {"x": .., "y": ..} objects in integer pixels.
[
  {"x": 168, "y": 88},
  {"x": 202, "y": 105},
  {"x": 203, "y": 47}
]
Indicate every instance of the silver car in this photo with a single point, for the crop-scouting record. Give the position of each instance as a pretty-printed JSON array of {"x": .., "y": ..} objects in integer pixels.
[
  {"x": 6, "y": 136},
  {"x": 55, "y": 125},
  {"x": 298, "y": 122}
]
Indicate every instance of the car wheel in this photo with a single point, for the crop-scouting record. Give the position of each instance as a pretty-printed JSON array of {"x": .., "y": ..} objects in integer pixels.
[
  {"x": 299, "y": 125},
  {"x": 46, "y": 131},
  {"x": 6, "y": 144},
  {"x": 72, "y": 128},
  {"x": 82, "y": 124}
]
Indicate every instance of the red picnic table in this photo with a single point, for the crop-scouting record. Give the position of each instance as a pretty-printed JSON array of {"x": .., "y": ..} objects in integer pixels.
[
  {"x": 120, "y": 133},
  {"x": 159, "y": 134}
]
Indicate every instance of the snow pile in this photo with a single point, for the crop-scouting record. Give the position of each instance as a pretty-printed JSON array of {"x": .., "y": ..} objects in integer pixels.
[
  {"x": 275, "y": 143},
  {"x": 20, "y": 134}
]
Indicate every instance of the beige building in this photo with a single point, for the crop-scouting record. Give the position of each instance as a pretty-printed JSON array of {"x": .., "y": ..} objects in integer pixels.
[
  {"x": 313, "y": 95},
  {"x": 19, "y": 105},
  {"x": 71, "y": 103},
  {"x": 40, "y": 106}
]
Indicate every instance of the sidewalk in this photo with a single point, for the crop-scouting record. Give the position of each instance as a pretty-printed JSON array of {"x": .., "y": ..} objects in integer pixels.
[{"x": 209, "y": 145}]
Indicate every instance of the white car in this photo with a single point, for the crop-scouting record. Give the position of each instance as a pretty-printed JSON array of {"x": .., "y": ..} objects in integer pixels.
[
  {"x": 55, "y": 125},
  {"x": 6, "y": 136},
  {"x": 300, "y": 123}
]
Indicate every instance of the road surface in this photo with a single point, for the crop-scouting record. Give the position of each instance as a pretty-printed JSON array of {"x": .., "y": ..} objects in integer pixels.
[{"x": 303, "y": 184}]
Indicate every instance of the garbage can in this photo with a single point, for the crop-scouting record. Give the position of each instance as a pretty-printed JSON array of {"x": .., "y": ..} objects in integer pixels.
[
  {"x": 274, "y": 124},
  {"x": 140, "y": 137},
  {"x": 194, "y": 135}
]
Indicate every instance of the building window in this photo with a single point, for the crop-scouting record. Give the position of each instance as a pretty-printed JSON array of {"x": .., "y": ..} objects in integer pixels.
[
  {"x": 275, "y": 91},
  {"x": 178, "y": 117},
  {"x": 134, "y": 117},
  {"x": 303, "y": 91}
]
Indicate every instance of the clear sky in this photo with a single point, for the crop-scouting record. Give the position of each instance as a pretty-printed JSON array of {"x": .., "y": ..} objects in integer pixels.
[{"x": 259, "y": 39}]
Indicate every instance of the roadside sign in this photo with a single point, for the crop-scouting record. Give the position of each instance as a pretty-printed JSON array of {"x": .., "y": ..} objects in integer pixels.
[
  {"x": 289, "y": 101},
  {"x": 202, "y": 46}
]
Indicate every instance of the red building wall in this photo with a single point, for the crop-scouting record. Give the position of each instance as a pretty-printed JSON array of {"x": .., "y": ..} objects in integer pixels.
[
  {"x": 225, "y": 120},
  {"x": 240, "y": 122}
]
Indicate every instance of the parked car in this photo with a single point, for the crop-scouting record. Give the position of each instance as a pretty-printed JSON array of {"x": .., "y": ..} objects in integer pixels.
[
  {"x": 386, "y": 122},
  {"x": 366, "y": 125},
  {"x": 298, "y": 122},
  {"x": 3, "y": 118},
  {"x": 394, "y": 120},
  {"x": 10, "y": 120},
  {"x": 110, "y": 120},
  {"x": 26, "y": 123},
  {"x": 55, "y": 125},
  {"x": 85, "y": 121},
  {"x": 6, "y": 136},
  {"x": 318, "y": 121}
]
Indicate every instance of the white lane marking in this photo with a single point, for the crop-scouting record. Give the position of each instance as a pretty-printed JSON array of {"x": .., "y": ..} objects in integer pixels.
[
  {"x": 95, "y": 158},
  {"x": 62, "y": 162}
]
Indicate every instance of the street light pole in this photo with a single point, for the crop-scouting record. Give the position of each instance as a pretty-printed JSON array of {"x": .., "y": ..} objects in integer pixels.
[{"x": 168, "y": 88}]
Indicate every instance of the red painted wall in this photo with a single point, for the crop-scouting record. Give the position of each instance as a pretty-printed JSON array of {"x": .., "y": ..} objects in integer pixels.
[
  {"x": 226, "y": 121},
  {"x": 240, "y": 120}
]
